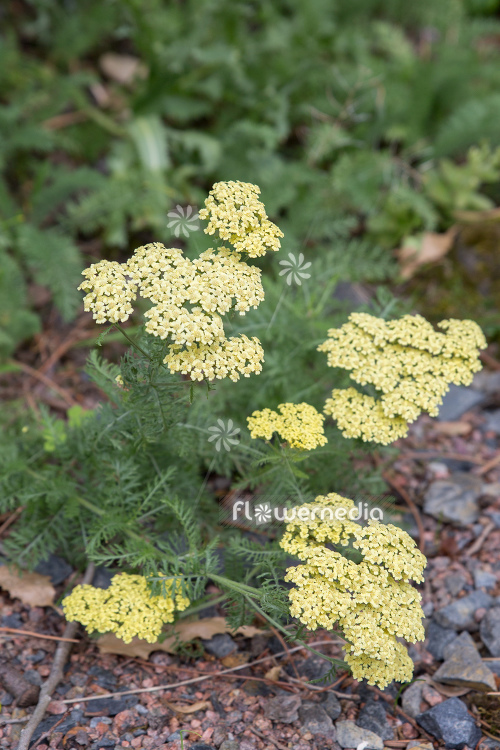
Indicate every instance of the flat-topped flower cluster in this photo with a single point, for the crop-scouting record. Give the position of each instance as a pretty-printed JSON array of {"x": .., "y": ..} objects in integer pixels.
[
  {"x": 407, "y": 361},
  {"x": 371, "y": 600},
  {"x": 190, "y": 296},
  {"x": 300, "y": 425},
  {"x": 126, "y": 608}
]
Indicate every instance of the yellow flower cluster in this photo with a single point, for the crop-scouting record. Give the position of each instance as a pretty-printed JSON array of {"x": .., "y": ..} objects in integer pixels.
[
  {"x": 372, "y": 600},
  {"x": 408, "y": 361},
  {"x": 299, "y": 424},
  {"x": 238, "y": 216},
  {"x": 190, "y": 296},
  {"x": 126, "y": 608}
]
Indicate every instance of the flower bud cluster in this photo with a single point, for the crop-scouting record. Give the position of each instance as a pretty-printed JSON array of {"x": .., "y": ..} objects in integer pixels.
[
  {"x": 126, "y": 608},
  {"x": 300, "y": 425},
  {"x": 372, "y": 600},
  {"x": 407, "y": 361},
  {"x": 190, "y": 296}
]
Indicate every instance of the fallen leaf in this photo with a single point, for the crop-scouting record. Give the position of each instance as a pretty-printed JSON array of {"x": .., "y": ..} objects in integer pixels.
[
  {"x": 273, "y": 674},
  {"x": 191, "y": 709},
  {"x": 183, "y": 631},
  {"x": 450, "y": 691},
  {"x": 427, "y": 248},
  {"x": 492, "y": 214},
  {"x": 31, "y": 588},
  {"x": 122, "y": 68},
  {"x": 453, "y": 428},
  {"x": 234, "y": 660}
]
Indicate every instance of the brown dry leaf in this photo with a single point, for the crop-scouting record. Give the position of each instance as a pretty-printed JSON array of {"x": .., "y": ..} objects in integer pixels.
[
  {"x": 234, "y": 660},
  {"x": 450, "y": 691},
  {"x": 122, "y": 68},
  {"x": 428, "y": 248},
  {"x": 273, "y": 674},
  {"x": 453, "y": 428},
  {"x": 191, "y": 709},
  {"x": 184, "y": 631},
  {"x": 472, "y": 217},
  {"x": 31, "y": 588}
]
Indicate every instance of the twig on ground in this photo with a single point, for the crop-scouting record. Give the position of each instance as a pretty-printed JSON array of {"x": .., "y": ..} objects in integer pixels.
[
  {"x": 45, "y": 380},
  {"x": 268, "y": 738},
  {"x": 32, "y": 633},
  {"x": 49, "y": 731},
  {"x": 285, "y": 646},
  {"x": 416, "y": 455},
  {"x": 10, "y": 520},
  {"x": 55, "y": 676},
  {"x": 392, "y": 482},
  {"x": 490, "y": 361},
  {"x": 204, "y": 677},
  {"x": 488, "y": 465},
  {"x": 476, "y": 546},
  {"x": 400, "y": 711}
]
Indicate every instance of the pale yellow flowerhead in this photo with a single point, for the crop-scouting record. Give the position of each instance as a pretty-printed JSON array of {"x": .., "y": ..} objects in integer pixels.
[
  {"x": 409, "y": 363},
  {"x": 125, "y": 608},
  {"x": 300, "y": 425},
  {"x": 371, "y": 599}
]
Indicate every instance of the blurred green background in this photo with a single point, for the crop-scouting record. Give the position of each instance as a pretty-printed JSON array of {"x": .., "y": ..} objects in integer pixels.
[{"x": 370, "y": 126}]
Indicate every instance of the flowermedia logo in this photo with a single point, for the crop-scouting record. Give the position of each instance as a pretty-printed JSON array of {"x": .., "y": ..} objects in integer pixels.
[
  {"x": 295, "y": 269},
  {"x": 183, "y": 220},
  {"x": 225, "y": 435},
  {"x": 259, "y": 513}
]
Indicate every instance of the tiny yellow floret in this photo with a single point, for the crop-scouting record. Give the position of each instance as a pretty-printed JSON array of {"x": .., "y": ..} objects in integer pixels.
[
  {"x": 300, "y": 425},
  {"x": 126, "y": 608},
  {"x": 407, "y": 361},
  {"x": 372, "y": 600}
]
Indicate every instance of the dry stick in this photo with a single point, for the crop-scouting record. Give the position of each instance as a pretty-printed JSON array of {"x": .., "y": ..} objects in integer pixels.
[
  {"x": 39, "y": 635},
  {"x": 194, "y": 679},
  {"x": 13, "y": 517},
  {"x": 413, "y": 508},
  {"x": 476, "y": 546},
  {"x": 55, "y": 676},
  {"x": 45, "y": 380},
  {"x": 285, "y": 646},
  {"x": 268, "y": 739},
  {"x": 49, "y": 731},
  {"x": 488, "y": 465}
]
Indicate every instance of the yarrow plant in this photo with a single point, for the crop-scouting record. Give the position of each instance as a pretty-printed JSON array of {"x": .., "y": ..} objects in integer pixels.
[
  {"x": 371, "y": 599},
  {"x": 407, "y": 361},
  {"x": 300, "y": 425},
  {"x": 126, "y": 608},
  {"x": 146, "y": 471}
]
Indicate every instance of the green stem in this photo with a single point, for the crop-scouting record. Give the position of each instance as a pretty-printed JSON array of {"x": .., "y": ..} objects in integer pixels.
[
  {"x": 132, "y": 342},
  {"x": 100, "y": 512}
]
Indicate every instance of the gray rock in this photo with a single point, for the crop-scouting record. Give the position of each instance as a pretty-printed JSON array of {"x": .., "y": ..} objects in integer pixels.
[
  {"x": 201, "y": 746},
  {"x": 332, "y": 706},
  {"x": 495, "y": 517},
  {"x": 103, "y": 677},
  {"x": 451, "y": 722},
  {"x": 463, "y": 666},
  {"x": 56, "y": 568},
  {"x": 33, "y": 676},
  {"x": 455, "y": 499},
  {"x": 487, "y": 382},
  {"x": 229, "y": 745},
  {"x": 110, "y": 706},
  {"x": 173, "y": 737},
  {"x": 490, "y": 631},
  {"x": 283, "y": 708},
  {"x": 373, "y": 717},
  {"x": 490, "y": 744},
  {"x": 457, "y": 401},
  {"x": 437, "y": 639},
  {"x": 220, "y": 645},
  {"x": 412, "y": 697},
  {"x": 460, "y": 614},
  {"x": 493, "y": 665},
  {"x": 455, "y": 583},
  {"x": 315, "y": 668},
  {"x": 314, "y": 719},
  {"x": 102, "y": 577},
  {"x": 493, "y": 421},
  {"x": 350, "y": 735},
  {"x": 483, "y": 579}
]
